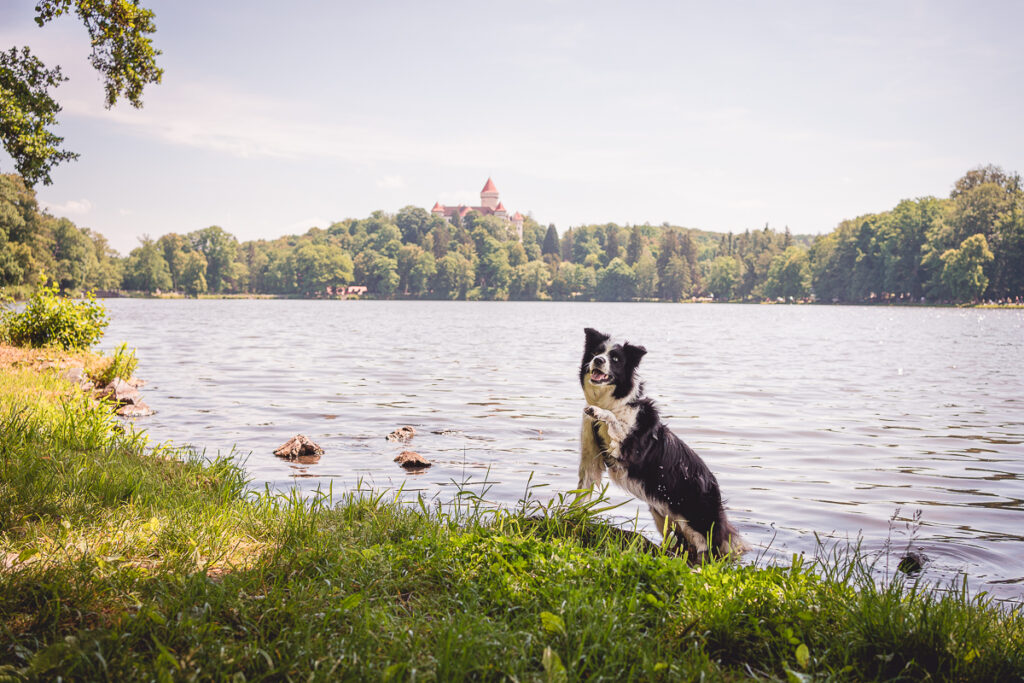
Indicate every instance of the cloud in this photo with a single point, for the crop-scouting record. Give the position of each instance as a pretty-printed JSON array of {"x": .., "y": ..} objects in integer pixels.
[
  {"x": 72, "y": 207},
  {"x": 220, "y": 118},
  {"x": 391, "y": 182}
]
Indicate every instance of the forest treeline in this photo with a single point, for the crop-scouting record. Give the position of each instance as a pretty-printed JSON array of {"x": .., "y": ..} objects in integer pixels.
[{"x": 967, "y": 247}]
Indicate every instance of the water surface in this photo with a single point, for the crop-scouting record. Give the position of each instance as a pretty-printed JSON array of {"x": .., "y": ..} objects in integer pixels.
[{"x": 840, "y": 422}]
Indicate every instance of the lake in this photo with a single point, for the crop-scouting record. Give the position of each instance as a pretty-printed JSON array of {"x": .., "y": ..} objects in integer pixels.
[{"x": 842, "y": 423}]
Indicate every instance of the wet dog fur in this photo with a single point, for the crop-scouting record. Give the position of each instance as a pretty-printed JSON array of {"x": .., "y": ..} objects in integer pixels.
[{"x": 624, "y": 436}]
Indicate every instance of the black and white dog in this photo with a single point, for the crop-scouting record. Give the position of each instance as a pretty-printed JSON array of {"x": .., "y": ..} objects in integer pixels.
[{"x": 623, "y": 434}]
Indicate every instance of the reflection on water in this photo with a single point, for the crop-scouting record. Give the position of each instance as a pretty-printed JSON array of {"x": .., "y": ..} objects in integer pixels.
[{"x": 816, "y": 419}]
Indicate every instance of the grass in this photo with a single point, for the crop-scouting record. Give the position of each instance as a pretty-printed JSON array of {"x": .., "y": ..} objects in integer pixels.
[
  {"x": 122, "y": 561},
  {"x": 121, "y": 366}
]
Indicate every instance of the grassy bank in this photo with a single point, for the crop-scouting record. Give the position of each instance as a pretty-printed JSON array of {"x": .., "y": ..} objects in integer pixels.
[{"x": 123, "y": 565}]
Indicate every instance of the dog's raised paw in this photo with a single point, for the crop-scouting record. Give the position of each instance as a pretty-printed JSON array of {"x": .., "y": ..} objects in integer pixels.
[{"x": 591, "y": 411}]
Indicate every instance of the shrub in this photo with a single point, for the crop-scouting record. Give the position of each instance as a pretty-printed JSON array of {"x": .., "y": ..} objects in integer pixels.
[
  {"x": 52, "y": 320},
  {"x": 122, "y": 365}
]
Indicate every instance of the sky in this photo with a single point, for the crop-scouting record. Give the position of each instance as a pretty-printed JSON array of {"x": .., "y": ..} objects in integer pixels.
[{"x": 275, "y": 117}]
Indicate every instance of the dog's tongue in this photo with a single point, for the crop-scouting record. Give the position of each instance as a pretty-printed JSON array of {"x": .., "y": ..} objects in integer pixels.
[{"x": 598, "y": 376}]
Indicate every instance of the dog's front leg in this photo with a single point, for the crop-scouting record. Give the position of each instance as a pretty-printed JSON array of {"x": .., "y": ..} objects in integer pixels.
[
  {"x": 617, "y": 429},
  {"x": 591, "y": 463}
]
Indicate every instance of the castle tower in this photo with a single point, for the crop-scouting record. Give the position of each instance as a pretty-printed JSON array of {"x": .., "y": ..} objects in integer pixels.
[{"x": 489, "y": 195}]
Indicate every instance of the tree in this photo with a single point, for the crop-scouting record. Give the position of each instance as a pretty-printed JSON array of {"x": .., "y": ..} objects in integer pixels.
[
  {"x": 789, "y": 274},
  {"x": 422, "y": 274},
  {"x": 516, "y": 253},
  {"x": 528, "y": 281},
  {"x": 724, "y": 276},
  {"x": 27, "y": 112},
  {"x": 963, "y": 269},
  {"x": 321, "y": 266},
  {"x": 572, "y": 281},
  {"x": 193, "y": 274},
  {"x": 378, "y": 272},
  {"x": 107, "y": 271},
  {"x": 635, "y": 247},
  {"x": 611, "y": 242},
  {"x": 74, "y": 254},
  {"x": 454, "y": 276},
  {"x": 568, "y": 245},
  {"x": 219, "y": 247},
  {"x": 646, "y": 270},
  {"x": 551, "y": 243},
  {"x": 175, "y": 247},
  {"x": 616, "y": 282},
  {"x": 123, "y": 54},
  {"x": 494, "y": 271},
  {"x": 677, "y": 280},
  {"x": 406, "y": 259},
  {"x": 413, "y": 222},
  {"x": 146, "y": 270}
]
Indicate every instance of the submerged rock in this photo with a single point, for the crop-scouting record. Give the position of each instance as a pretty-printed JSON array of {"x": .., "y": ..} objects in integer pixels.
[
  {"x": 401, "y": 435},
  {"x": 411, "y": 460},
  {"x": 912, "y": 562},
  {"x": 137, "y": 409},
  {"x": 299, "y": 447}
]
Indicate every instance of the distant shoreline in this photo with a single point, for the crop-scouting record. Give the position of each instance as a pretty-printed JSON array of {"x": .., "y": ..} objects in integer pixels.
[{"x": 890, "y": 304}]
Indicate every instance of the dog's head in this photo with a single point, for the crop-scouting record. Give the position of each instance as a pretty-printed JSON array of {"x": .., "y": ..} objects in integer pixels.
[{"x": 608, "y": 370}]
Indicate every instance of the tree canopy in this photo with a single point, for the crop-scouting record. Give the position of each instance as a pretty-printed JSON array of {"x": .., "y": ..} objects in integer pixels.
[
  {"x": 966, "y": 247},
  {"x": 122, "y": 53}
]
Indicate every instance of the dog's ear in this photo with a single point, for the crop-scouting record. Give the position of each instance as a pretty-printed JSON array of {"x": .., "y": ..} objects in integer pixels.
[
  {"x": 593, "y": 338},
  {"x": 633, "y": 354}
]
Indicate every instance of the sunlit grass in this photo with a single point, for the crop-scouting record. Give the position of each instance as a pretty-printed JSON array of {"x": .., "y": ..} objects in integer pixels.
[{"x": 123, "y": 562}]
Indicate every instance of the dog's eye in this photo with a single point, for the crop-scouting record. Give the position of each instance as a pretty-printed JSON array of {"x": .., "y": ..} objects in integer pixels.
[{"x": 615, "y": 358}]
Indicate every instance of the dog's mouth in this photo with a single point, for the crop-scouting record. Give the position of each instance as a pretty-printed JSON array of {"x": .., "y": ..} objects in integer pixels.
[{"x": 598, "y": 377}]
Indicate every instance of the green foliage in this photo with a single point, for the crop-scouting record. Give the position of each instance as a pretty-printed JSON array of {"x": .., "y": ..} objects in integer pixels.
[
  {"x": 49, "y": 319},
  {"x": 321, "y": 266},
  {"x": 616, "y": 282},
  {"x": 219, "y": 248},
  {"x": 724, "y": 277},
  {"x": 193, "y": 274},
  {"x": 27, "y": 113},
  {"x": 789, "y": 275},
  {"x": 145, "y": 269},
  {"x": 122, "y": 53},
  {"x": 551, "y": 244},
  {"x": 455, "y": 276},
  {"x": 121, "y": 366},
  {"x": 963, "y": 269}
]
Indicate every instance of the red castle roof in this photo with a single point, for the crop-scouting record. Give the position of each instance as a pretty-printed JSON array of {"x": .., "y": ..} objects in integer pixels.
[
  {"x": 489, "y": 187},
  {"x": 437, "y": 207}
]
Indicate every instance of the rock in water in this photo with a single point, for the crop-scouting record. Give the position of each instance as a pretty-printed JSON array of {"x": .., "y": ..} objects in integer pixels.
[
  {"x": 298, "y": 446},
  {"x": 121, "y": 392},
  {"x": 137, "y": 409},
  {"x": 912, "y": 562},
  {"x": 411, "y": 460},
  {"x": 401, "y": 435}
]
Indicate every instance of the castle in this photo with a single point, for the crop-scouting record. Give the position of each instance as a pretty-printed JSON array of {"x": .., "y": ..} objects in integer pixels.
[{"x": 490, "y": 205}]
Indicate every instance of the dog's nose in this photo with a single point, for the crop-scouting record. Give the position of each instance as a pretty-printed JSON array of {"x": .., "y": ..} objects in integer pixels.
[{"x": 599, "y": 360}]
